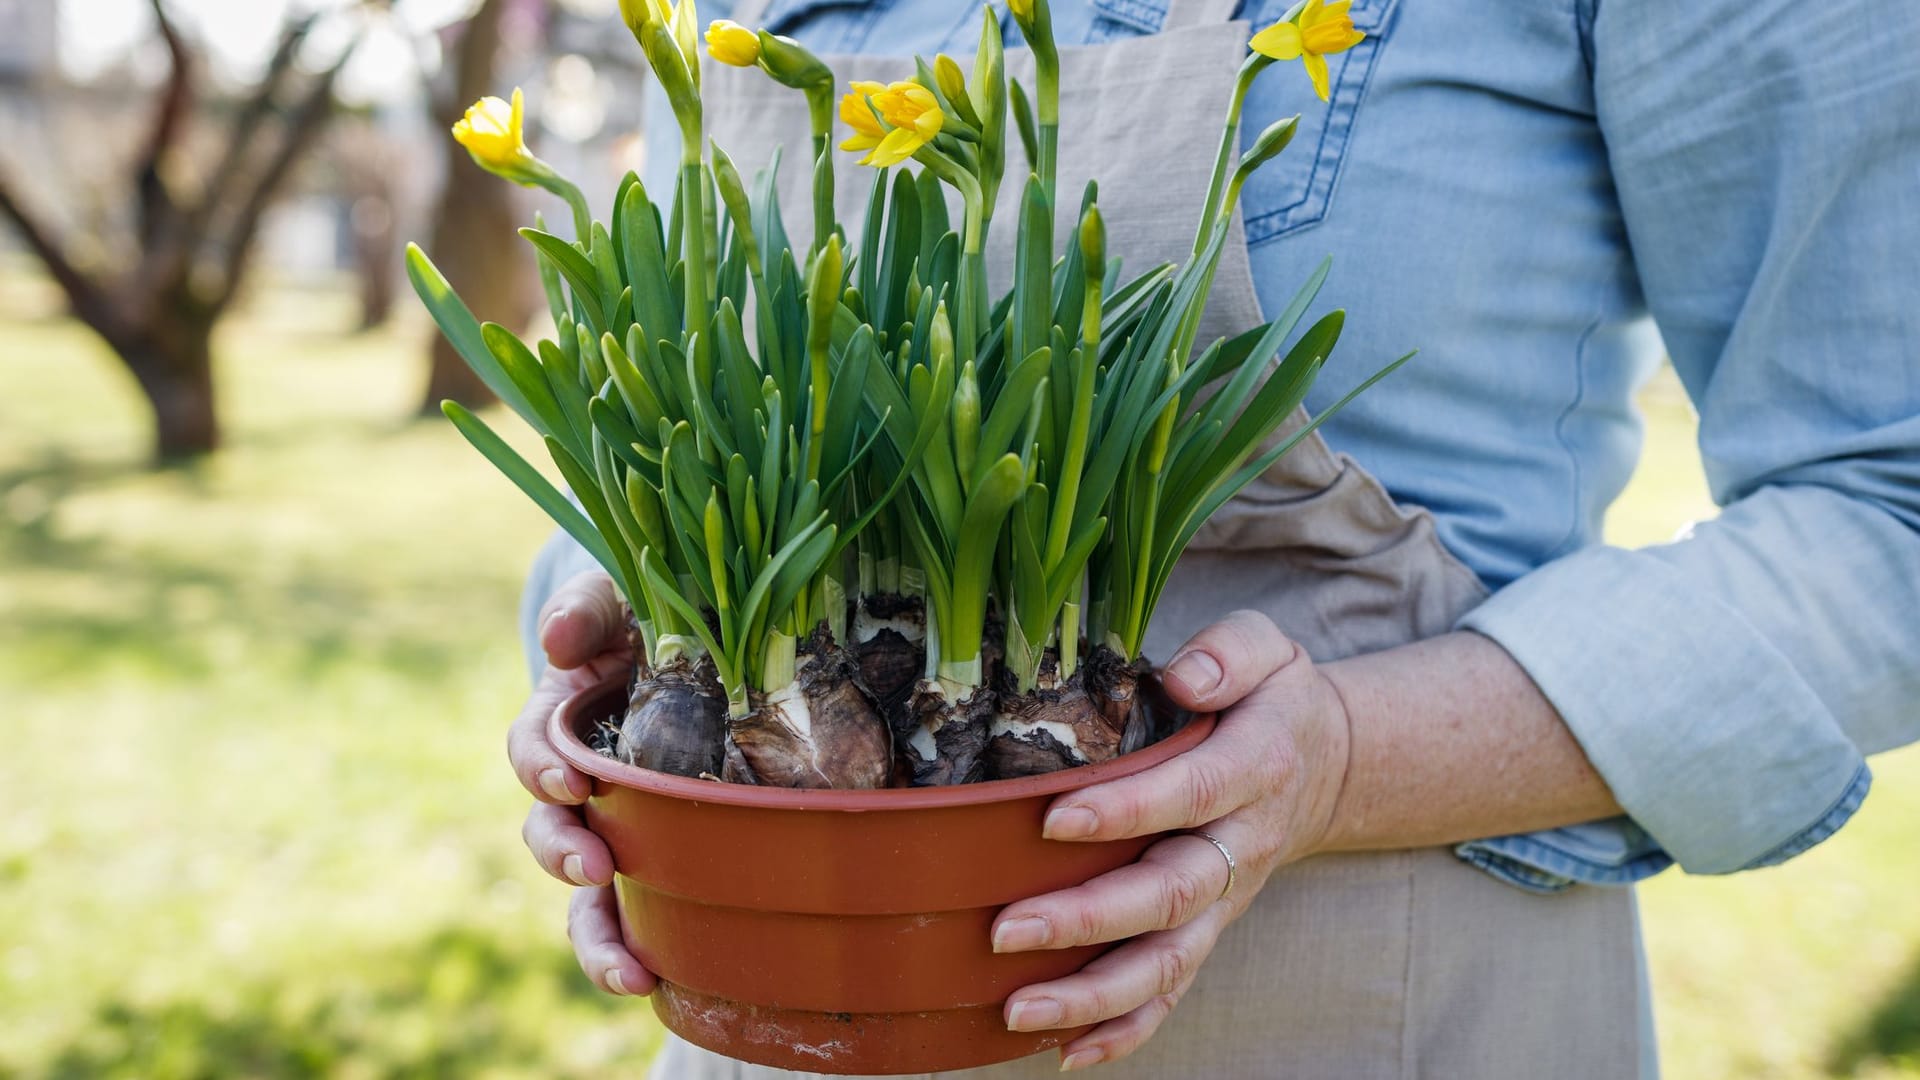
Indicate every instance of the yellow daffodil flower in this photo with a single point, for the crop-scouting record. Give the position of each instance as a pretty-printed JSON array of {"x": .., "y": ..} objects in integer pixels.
[
  {"x": 1319, "y": 31},
  {"x": 915, "y": 116},
  {"x": 492, "y": 131},
  {"x": 731, "y": 43},
  {"x": 1022, "y": 9},
  {"x": 911, "y": 116}
]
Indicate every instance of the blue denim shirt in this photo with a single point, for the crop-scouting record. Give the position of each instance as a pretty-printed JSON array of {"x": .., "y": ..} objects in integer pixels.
[{"x": 1538, "y": 195}]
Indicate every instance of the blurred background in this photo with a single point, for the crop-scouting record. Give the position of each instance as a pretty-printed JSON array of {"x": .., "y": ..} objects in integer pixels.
[{"x": 256, "y": 613}]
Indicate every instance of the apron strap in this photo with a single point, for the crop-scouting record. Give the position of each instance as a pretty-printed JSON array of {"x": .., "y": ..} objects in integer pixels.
[{"x": 1185, "y": 13}]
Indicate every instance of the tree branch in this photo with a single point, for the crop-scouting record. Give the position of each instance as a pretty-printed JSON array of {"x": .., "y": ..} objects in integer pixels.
[
  {"x": 308, "y": 119},
  {"x": 89, "y": 301},
  {"x": 246, "y": 123},
  {"x": 154, "y": 204},
  {"x": 170, "y": 255}
]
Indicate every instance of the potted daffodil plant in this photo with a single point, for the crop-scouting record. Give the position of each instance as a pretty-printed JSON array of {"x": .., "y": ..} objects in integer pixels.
[{"x": 890, "y": 540}]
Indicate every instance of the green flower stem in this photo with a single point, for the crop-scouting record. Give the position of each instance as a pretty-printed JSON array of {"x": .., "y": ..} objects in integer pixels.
[
  {"x": 1229, "y": 142},
  {"x": 820, "y": 112},
  {"x": 1156, "y": 462},
  {"x": 1069, "y": 640},
  {"x": 970, "y": 300},
  {"x": 693, "y": 184},
  {"x": 577, "y": 202},
  {"x": 1092, "y": 236},
  {"x": 823, "y": 297},
  {"x": 1049, "y": 153}
]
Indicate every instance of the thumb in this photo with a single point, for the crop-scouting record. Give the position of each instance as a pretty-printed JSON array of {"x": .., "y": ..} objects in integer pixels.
[
  {"x": 1224, "y": 662},
  {"x": 581, "y": 620}
]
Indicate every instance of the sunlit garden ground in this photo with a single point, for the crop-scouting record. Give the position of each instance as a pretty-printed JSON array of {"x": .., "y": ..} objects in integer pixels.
[{"x": 254, "y": 816}]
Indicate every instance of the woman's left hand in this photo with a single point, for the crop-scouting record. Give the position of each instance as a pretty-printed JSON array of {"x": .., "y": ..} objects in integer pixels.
[{"x": 1264, "y": 783}]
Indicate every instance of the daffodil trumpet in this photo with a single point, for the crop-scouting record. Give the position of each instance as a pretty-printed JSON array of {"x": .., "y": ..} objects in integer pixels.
[{"x": 890, "y": 529}]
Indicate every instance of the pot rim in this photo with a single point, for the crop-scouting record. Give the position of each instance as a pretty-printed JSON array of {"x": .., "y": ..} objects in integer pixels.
[{"x": 577, "y": 754}]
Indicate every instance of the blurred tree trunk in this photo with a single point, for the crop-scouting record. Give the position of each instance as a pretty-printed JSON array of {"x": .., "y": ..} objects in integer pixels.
[
  {"x": 474, "y": 240},
  {"x": 378, "y": 263},
  {"x": 156, "y": 306},
  {"x": 376, "y": 249},
  {"x": 171, "y": 358}
]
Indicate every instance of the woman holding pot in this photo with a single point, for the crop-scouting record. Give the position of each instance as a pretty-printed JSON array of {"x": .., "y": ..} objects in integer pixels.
[{"x": 1455, "y": 727}]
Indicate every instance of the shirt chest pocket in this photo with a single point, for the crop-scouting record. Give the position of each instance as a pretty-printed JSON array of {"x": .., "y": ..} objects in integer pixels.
[{"x": 1295, "y": 190}]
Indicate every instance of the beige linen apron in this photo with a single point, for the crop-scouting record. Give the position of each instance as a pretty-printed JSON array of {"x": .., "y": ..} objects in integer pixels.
[{"x": 1392, "y": 964}]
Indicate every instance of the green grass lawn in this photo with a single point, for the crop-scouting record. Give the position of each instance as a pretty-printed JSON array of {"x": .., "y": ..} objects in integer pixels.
[{"x": 254, "y": 813}]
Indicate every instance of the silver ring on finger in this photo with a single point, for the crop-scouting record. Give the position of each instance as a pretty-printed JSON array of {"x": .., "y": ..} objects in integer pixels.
[{"x": 1233, "y": 866}]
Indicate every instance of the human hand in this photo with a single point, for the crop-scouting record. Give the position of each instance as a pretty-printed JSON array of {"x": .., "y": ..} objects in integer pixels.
[
  {"x": 584, "y": 634},
  {"x": 1264, "y": 783}
]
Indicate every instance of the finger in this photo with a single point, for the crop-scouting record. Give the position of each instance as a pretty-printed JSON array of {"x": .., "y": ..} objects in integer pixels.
[
  {"x": 1245, "y": 758},
  {"x": 565, "y": 848},
  {"x": 593, "y": 925},
  {"x": 1222, "y": 663},
  {"x": 581, "y": 620},
  {"x": 1174, "y": 881},
  {"x": 541, "y": 769},
  {"x": 1121, "y": 1036},
  {"x": 1119, "y": 982}
]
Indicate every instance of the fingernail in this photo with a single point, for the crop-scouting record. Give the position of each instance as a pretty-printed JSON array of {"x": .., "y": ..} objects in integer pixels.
[
  {"x": 1070, "y": 823},
  {"x": 615, "y": 983},
  {"x": 553, "y": 616},
  {"x": 554, "y": 783},
  {"x": 1080, "y": 1059},
  {"x": 1016, "y": 935},
  {"x": 1033, "y": 1014},
  {"x": 575, "y": 870},
  {"x": 1197, "y": 670}
]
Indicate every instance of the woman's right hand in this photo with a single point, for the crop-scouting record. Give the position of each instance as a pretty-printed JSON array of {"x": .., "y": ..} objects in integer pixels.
[{"x": 584, "y": 634}]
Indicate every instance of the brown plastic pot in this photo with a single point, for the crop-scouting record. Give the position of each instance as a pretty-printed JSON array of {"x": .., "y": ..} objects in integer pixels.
[{"x": 839, "y": 931}]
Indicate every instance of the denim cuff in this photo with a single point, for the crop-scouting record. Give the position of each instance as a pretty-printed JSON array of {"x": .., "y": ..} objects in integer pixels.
[{"x": 1710, "y": 740}]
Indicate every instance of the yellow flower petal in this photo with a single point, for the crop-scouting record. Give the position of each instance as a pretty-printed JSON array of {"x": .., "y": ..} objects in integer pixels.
[
  {"x": 1281, "y": 41},
  {"x": 861, "y": 142},
  {"x": 857, "y": 114},
  {"x": 897, "y": 147},
  {"x": 1317, "y": 71}
]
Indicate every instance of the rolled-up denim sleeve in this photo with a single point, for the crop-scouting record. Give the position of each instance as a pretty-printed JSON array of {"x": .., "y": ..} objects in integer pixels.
[{"x": 1729, "y": 685}]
